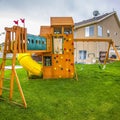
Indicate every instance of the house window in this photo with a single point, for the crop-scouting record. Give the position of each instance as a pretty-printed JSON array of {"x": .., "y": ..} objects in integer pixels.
[
  {"x": 82, "y": 54},
  {"x": 89, "y": 31},
  {"x": 108, "y": 33},
  {"x": 75, "y": 34},
  {"x": 100, "y": 31}
]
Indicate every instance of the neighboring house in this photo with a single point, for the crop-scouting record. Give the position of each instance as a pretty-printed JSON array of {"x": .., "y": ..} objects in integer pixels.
[
  {"x": 1, "y": 47},
  {"x": 2, "y": 36},
  {"x": 101, "y": 26}
]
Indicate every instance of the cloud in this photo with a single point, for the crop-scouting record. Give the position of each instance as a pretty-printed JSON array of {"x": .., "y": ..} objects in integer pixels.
[{"x": 38, "y": 12}]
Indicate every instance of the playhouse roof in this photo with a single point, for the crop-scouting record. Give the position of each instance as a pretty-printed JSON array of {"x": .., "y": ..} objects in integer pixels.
[
  {"x": 45, "y": 30},
  {"x": 61, "y": 21}
]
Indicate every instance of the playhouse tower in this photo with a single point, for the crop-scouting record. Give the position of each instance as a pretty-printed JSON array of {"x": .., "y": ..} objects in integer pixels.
[{"x": 59, "y": 63}]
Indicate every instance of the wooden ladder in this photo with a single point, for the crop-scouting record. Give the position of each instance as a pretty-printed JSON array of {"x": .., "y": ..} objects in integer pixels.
[{"x": 13, "y": 75}]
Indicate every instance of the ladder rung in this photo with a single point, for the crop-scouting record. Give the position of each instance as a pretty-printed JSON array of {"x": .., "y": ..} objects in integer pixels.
[
  {"x": 9, "y": 58},
  {"x": 6, "y": 78},
  {"x": 5, "y": 88},
  {"x": 7, "y": 44},
  {"x": 5, "y": 52},
  {"x": 12, "y": 102}
]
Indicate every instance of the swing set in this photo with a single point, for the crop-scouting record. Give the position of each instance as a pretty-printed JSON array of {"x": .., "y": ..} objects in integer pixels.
[{"x": 106, "y": 40}]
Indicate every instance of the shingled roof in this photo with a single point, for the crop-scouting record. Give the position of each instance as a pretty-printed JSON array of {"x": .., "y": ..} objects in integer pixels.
[{"x": 94, "y": 20}]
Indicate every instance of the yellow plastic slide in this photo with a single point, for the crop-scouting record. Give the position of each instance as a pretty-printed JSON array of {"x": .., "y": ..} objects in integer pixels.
[{"x": 29, "y": 64}]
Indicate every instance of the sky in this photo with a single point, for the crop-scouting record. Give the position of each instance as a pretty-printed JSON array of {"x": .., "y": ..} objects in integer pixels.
[{"x": 38, "y": 12}]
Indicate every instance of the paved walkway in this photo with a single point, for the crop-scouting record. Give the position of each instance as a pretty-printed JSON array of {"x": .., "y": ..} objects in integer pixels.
[{"x": 16, "y": 67}]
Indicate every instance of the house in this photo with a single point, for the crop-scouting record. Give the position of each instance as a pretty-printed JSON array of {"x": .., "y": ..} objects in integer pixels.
[
  {"x": 1, "y": 46},
  {"x": 100, "y": 26}
]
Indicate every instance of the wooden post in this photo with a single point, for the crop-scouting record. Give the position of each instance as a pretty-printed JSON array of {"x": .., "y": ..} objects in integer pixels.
[
  {"x": 3, "y": 63},
  {"x": 12, "y": 34},
  {"x": 20, "y": 89},
  {"x": 1, "y": 84},
  {"x": 113, "y": 45}
]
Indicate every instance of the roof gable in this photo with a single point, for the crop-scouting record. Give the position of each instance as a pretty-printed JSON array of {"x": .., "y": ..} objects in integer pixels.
[{"x": 95, "y": 20}]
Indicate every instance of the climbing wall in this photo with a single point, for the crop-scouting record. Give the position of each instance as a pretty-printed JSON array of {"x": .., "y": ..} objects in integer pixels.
[{"x": 63, "y": 64}]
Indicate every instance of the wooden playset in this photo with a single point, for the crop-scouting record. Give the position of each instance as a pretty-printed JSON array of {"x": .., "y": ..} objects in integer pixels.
[
  {"x": 110, "y": 44},
  {"x": 54, "y": 47}
]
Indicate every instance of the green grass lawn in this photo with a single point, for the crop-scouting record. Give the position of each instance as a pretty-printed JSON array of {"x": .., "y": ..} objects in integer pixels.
[{"x": 95, "y": 96}]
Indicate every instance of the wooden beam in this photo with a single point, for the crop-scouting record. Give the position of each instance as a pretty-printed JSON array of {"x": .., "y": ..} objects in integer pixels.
[
  {"x": 92, "y": 40},
  {"x": 38, "y": 51},
  {"x": 20, "y": 89},
  {"x": 107, "y": 54}
]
